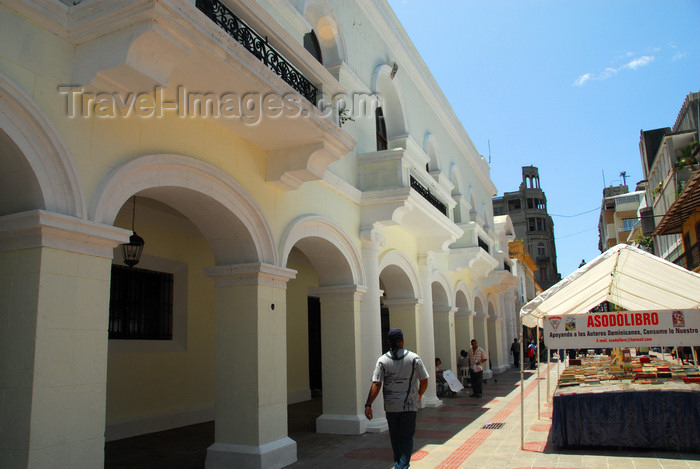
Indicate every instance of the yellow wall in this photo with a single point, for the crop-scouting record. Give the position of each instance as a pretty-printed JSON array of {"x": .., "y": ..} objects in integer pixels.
[
  {"x": 141, "y": 385},
  {"x": 297, "y": 325}
]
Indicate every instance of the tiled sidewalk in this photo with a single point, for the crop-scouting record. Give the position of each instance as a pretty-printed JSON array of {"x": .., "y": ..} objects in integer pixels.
[{"x": 453, "y": 436}]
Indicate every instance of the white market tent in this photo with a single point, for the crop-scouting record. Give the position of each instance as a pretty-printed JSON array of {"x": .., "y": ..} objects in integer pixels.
[{"x": 624, "y": 275}]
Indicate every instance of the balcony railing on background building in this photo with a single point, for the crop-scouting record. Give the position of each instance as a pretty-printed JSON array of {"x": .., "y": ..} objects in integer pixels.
[
  {"x": 428, "y": 196},
  {"x": 258, "y": 46},
  {"x": 690, "y": 259}
]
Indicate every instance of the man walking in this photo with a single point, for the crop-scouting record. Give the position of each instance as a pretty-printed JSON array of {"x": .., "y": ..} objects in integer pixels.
[
  {"x": 405, "y": 379},
  {"x": 477, "y": 358},
  {"x": 515, "y": 350}
]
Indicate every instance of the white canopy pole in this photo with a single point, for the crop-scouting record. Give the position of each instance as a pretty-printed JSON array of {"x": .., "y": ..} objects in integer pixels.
[
  {"x": 539, "y": 352},
  {"x": 549, "y": 359},
  {"x": 522, "y": 390}
]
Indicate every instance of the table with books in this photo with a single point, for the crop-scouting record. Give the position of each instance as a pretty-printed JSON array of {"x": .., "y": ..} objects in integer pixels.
[{"x": 643, "y": 403}]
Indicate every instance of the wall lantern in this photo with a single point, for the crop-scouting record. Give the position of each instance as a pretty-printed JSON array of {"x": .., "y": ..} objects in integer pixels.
[{"x": 131, "y": 251}]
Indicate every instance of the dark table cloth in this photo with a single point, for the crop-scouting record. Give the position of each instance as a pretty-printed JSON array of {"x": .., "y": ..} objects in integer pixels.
[{"x": 662, "y": 419}]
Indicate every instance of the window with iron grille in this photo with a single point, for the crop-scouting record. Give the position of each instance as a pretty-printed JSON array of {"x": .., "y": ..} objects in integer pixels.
[{"x": 140, "y": 304}]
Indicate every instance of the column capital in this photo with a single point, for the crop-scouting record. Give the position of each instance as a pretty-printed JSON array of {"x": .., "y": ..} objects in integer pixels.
[
  {"x": 250, "y": 274},
  {"x": 402, "y": 303},
  {"x": 39, "y": 228},
  {"x": 339, "y": 292},
  {"x": 372, "y": 236},
  {"x": 443, "y": 310},
  {"x": 426, "y": 259}
]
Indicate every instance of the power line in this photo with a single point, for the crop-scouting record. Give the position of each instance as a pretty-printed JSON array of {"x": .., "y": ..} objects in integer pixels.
[
  {"x": 577, "y": 215},
  {"x": 575, "y": 234}
]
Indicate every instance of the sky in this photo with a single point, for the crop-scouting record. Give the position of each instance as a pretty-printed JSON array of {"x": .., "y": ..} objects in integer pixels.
[{"x": 564, "y": 85}]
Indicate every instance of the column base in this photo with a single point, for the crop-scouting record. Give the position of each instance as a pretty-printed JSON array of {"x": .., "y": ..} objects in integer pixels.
[
  {"x": 341, "y": 424},
  {"x": 377, "y": 425},
  {"x": 430, "y": 401},
  {"x": 276, "y": 454}
]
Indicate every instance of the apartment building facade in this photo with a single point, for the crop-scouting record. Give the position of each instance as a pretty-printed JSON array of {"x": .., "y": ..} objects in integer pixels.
[
  {"x": 669, "y": 156},
  {"x": 619, "y": 213}
]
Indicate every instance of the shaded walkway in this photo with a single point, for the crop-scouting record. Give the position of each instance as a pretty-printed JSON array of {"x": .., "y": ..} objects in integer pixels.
[{"x": 452, "y": 436}]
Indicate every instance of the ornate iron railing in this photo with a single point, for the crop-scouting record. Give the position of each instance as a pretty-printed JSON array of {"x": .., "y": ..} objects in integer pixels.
[
  {"x": 258, "y": 46},
  {"x": 428, "y": 196},
  {"x": 690, "y": 259}
]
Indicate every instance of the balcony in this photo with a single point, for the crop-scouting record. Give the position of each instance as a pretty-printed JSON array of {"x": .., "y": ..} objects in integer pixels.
[
  {"x": 242, "y": 71},
  {"x": 396, "y": 190},
  {"x": 690, "y": 259},
  {"x": 258, "y": 46},
  {"x": 425, "y": 193}
]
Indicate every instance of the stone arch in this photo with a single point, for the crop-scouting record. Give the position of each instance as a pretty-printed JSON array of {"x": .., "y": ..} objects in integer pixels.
[
  {"x": 34, "y": 158},
  {"x": 322, "y": 20},
  {"x": 464, "y": 316},
  {"x": 462, "y": 206},
  {"x": 442, "y": 293},
  {"x": 432, "y": 149},
  {"x": 328, "y": 248},
  {"x": 228, "y": 217},
  {"x": 399, "y": 275},
  {"x": 479, "y": 304},
  {"x": 463, "y": 298},
  {"x": 390, "y": 96}
]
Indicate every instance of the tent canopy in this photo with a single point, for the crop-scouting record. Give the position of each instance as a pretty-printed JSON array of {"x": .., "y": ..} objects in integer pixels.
[{"x": 624, "y": 275}]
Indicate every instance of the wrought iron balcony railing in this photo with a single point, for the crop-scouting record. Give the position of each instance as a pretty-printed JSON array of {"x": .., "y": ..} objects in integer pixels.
[
  {"x": 258, "y": 46},
  {"x": 418, "y": 187},
  {"x": 690, "y": 259}
]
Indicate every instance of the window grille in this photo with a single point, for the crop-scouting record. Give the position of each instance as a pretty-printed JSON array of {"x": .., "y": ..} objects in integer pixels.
[{"x": 141, "y": 304}]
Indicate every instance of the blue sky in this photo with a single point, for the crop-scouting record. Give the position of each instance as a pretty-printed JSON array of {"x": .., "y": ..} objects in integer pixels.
[{"x": 564, "y": 85}]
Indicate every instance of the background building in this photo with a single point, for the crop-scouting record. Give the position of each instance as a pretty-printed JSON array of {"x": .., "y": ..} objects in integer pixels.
[
  {"x": 618, "y": 216},
  {"x": 669, "y": 156},
  {"x": 528, "y": 209}
]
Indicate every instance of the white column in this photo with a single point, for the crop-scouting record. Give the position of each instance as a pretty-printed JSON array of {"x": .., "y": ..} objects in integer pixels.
[
  {"x": 445, "y": 344},
  {"x": 54, "y": 309},
  {"x": 426, "y": 337},
  {"x": 481, "y": 335},
  {"x": 371, "y": 324},
  {"x": 464, "y": 329},
  {"x": 405, "y": 315},
  {"x": 251, "y": 368},
  {"x": 343, "y": 393}
]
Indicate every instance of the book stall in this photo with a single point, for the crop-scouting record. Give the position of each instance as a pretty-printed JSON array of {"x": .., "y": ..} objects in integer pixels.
[
  {"x": 638, "y": 402},
  {"x": 622, "y": 400}
]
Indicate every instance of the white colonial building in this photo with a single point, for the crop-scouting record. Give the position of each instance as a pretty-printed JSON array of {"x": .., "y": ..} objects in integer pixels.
[{"x": 301, "y": 184}]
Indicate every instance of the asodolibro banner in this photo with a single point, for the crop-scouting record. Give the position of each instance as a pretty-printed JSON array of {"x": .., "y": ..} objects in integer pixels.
[{"x": 623, "y": 329}]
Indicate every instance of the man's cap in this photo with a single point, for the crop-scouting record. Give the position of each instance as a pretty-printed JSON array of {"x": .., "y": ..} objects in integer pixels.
[{"x": 395, "y": 335}]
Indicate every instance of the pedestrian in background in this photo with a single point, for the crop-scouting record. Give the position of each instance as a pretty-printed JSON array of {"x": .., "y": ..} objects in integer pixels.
[
  {"x": 477, "y": 357},
  {"x": 515, "y": 351}
]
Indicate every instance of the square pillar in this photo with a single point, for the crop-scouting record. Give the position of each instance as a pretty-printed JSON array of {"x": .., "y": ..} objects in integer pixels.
[
  {"x": 343, "y": 396},
  {"x": 54, "y": 309},
  {"x": 404, "y": 314},
  {"x": 251, "y": 368},
  {"x": 445, "y": 348},
  {"x": 464, "y": 329}
]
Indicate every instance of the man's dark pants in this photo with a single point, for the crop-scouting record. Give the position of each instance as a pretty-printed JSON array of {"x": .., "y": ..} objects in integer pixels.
[
  {"x": 477, "y": 382},
  {"x": 402, "y": 426},
  {"x": 516, "y": 359}
]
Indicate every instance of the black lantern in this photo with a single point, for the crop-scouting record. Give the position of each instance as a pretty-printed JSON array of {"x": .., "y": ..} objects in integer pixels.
[{"x": 133, "y": 249}]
